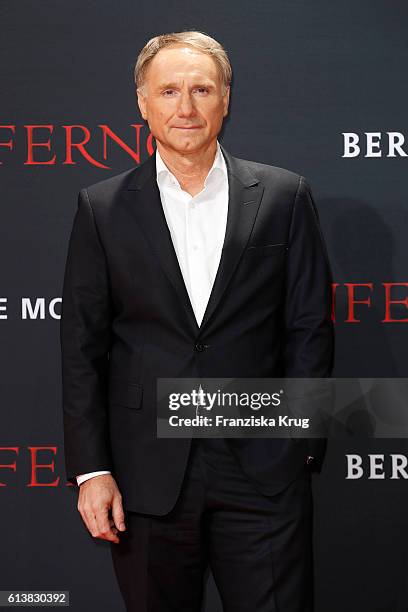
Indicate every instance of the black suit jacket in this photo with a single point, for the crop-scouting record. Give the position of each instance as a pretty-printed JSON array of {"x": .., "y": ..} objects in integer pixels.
[{"x": 127, "y": 319}]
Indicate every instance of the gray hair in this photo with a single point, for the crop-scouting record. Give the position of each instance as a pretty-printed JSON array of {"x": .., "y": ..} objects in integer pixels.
[{"x": 198, "y": 40}]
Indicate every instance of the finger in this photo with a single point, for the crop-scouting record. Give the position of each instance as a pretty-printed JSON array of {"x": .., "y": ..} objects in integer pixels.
[
  {"x": 112, "y": 524},
  {"x": 105, "y": 531},
  {"x": 90, "y": 522},
  {"x": 117, "y": 513},
  {"x": 86, "y": 514}
]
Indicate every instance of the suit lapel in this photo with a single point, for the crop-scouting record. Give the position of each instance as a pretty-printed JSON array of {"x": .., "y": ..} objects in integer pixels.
[
  {"x": 144, "y": 200},
  {"x": 245, "y": 193},
  {"x": 244, "y": 197}
]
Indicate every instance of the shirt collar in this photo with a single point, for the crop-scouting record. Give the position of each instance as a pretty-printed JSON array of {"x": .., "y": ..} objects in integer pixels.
[{"x": 163, "y": 174}]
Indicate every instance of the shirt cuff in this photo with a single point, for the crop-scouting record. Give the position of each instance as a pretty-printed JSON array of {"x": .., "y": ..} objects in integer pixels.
[{"x": 82, "y": 477}]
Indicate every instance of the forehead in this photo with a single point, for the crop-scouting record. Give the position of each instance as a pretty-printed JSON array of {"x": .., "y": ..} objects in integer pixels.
[{"x": 182, "y": 61}]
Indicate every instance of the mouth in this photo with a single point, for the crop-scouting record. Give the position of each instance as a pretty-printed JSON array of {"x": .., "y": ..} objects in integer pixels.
[{"x": 187, "y": 127}]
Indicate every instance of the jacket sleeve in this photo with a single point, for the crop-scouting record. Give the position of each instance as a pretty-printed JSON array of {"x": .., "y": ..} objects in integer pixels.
[
  {"x": 309, "y": 335},
  {"x": 309, "y": 331},
  {"x": 85, "y": 337}
]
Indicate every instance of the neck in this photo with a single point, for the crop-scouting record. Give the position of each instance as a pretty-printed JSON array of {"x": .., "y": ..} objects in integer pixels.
[{"x": 190, "y": 169}]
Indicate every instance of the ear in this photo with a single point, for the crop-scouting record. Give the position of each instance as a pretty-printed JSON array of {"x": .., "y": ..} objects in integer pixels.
[
  {"x": 226, "y": 97},
  {"x": 142, "y": 103}
]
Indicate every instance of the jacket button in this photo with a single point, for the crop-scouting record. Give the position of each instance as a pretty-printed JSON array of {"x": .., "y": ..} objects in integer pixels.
[{"x": 199, "y": 347}]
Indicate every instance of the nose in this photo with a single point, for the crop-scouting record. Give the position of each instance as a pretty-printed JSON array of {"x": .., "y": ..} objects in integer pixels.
[{"x": 186, "y": 105}]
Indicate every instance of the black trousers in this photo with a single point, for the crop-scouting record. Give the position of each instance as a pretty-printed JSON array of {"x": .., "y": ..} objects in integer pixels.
[{"x": 258, "y": 547}]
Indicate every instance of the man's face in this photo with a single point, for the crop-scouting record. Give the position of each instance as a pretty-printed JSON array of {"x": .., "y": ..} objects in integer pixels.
[{"x": 182, "y": 99}]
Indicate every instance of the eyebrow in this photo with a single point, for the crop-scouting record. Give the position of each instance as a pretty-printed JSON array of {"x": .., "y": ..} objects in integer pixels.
[{"x": 176, "y": 85}]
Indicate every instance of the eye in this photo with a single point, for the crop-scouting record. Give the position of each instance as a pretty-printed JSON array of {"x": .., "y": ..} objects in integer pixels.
[
  {"x": 202, "y": 90},
  {"x": 168, "y": 91}
]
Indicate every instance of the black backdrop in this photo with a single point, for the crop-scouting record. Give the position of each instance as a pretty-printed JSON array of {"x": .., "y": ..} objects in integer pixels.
[{"x": 304, "y": 74}]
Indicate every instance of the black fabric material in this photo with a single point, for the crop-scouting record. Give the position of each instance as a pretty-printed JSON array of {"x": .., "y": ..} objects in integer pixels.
[
  {"x": 126, "y": 320},
  {"x": 258, "y": 547}
]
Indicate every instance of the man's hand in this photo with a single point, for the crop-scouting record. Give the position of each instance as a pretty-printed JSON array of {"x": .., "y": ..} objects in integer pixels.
[{"x": 96, "y": 497}]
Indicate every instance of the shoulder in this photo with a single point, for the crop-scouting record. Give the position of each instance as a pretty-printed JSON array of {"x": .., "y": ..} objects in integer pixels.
[
  {"x": 107, "y": 189},
  {"x": 275, "y": 178},
  {"x": 271, "y": 172}
]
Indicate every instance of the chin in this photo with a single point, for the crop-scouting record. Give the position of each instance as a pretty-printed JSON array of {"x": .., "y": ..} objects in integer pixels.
[{"x": 189, "y": 144}]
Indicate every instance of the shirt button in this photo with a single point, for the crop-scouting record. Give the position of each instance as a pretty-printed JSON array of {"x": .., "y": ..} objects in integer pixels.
[{"x": 199, "y": 347}]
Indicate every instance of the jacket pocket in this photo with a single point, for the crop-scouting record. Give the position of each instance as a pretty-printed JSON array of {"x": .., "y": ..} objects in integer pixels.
[
  {"x": 268, "y": 249},
  {"x": 125, "y": 393}
]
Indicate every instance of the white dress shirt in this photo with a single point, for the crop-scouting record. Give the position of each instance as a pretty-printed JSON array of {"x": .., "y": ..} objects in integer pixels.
[{"x": 197, "y": 227}]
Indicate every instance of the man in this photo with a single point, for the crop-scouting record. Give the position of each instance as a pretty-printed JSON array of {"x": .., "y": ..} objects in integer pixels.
[{"x": 194, "y": 264}]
